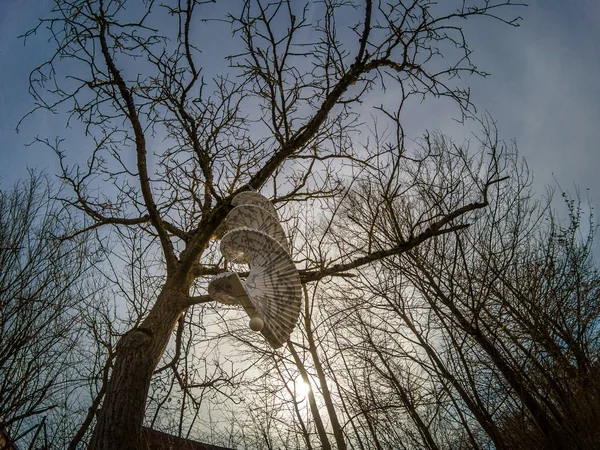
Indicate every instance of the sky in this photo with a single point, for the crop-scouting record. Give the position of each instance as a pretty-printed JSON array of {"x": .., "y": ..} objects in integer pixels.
[{"x": 543, "y": 92}]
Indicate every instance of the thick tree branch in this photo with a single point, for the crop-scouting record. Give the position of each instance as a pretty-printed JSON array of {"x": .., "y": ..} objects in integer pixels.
[
  {"x": 140, "y": 145},
  {"x": 435, "y": 230}
]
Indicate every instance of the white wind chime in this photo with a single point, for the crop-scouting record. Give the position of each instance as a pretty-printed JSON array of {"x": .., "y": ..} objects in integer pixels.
[{"x": 271, "y": 295}]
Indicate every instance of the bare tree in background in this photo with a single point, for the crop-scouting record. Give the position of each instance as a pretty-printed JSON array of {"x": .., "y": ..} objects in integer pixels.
[
  {"x": 525, "y": 293},
  {"x": 173, "y": 132},
  {"x": 43, "y": 284}
]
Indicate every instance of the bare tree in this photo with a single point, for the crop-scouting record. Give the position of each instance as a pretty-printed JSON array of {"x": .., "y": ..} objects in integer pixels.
[
  {"x": 496, "y": 300},
  {"x": 174, "y": 132},
  {"x": 43, "y": 283}
]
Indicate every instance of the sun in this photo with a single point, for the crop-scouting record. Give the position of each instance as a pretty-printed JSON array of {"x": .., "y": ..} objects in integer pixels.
[
  {"x": 302, "y": 388},
  {"x": 299, "y": 388}
]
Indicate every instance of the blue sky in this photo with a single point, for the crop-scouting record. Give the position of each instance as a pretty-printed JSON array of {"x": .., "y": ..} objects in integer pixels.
[{"x": 543, "y": 91}]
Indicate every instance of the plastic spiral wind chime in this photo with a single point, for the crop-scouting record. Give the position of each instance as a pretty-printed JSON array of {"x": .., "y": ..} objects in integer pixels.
[{"x": 271, "y": 295}]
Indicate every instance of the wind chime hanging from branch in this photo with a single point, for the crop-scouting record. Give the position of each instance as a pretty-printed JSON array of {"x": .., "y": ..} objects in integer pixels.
[{"x": 271, "y": 294}]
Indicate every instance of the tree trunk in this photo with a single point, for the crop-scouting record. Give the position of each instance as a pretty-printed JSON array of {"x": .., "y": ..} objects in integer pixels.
[
  {"x": 325, "y": 445},
  {"x": 482, "y": 416},
  {"x": 514, "y": 379},
  {"x": 335, "y": 423},
  {"x": 119, "y": 422}
]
